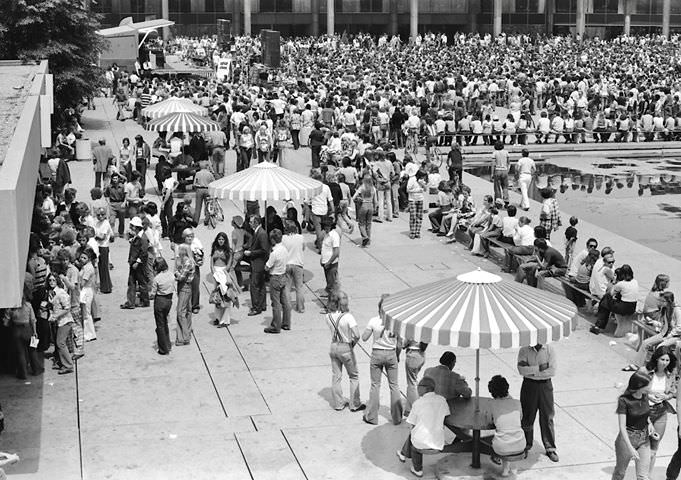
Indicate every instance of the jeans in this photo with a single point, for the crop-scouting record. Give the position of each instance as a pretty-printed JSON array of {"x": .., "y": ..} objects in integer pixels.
[
  {"x": 509, "y": 259},
  {"x": 24, "y": 354},
  {"x": 243, "y": 160},
  {"x": 257, "y": 290},
  {"x": 412, "y": 366},
  {"x": 103, "y": 268},
  {"x": 137, "y": 278},
  {"x": 315, "y": 150},
  {"x": 319, "y": 233},
  {"x": 295, "y": 280},
  {"x": 196, "y": 288},
  {"x": 395, "y": 197},
  {"x": 385, "y": 206},
  {"x": 675, "y": 462},
  {"x": 366, "y": 211},
  {"x": 118, "y": 212},
  {"x": 183, "y": 334},
  {"x": 538, "y": 396},
  {"x": 201, "y": 197},
  {"x": 63, "y": 333},
  {"x": 609, "y": 305},
  {"x": 281, "y": 307},
  {"x": 141, "y": 166},
  {"x": 342, "y": 355},
  {"x": 501, "y": 185},
  {"x": 639, "y": 440},
  {"x": 383, "y": 360},
  {"x": 166, "y": 215},
  {"x": 219, "y": 162},
  {"x": 331, "y": 275},
  {"x": 162, "y": 304}
]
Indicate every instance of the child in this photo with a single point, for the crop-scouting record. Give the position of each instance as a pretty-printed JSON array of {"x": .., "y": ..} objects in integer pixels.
[{"x": 570, "y": 239}]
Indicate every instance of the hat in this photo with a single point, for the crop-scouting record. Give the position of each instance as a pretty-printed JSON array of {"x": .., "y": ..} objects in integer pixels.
[
  {"x": 136, "y": 222},
  {"x": 606, "y": 251},
  {"x": 237, "y": 221}
]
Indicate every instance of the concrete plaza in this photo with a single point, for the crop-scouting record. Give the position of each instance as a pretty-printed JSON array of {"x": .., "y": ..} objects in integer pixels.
[{"x": 240, "y": 404}]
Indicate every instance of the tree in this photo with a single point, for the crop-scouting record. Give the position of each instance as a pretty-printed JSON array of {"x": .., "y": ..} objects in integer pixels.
[{"x": 61, "y": 31}]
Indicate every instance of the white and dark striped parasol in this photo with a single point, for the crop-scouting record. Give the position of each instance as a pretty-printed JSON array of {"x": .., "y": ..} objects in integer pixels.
[
  {"x": 265, "y": 181},
  {"x": 183, "y": 122},
  {"x": 479, "y": 310},
  {"x": 173, "y": 105}
]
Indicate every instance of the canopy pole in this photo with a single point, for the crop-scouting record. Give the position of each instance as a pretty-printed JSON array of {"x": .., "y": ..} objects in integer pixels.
[{"x": 477, "y": 380}]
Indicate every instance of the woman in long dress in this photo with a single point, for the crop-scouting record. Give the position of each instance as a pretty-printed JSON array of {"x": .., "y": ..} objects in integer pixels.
[{"x": 226, "y": 291}]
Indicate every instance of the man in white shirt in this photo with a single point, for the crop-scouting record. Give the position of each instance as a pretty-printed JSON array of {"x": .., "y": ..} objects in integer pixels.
[
  {"x": 294, "y": 243},
  {"x": 428, "y": 432},
  {"x": 321, "y": 205},
  {"x": 330, "y": 251},
  {"x": 523, "y": 240},
  {"x": 525, "y": 169},
  {"x": 276, "y": 266},
  {"x": 591, "y": 244},
  {"x": 602, "y": 273}
]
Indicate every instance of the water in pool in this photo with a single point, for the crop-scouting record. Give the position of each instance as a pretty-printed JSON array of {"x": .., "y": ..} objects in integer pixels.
[{"x": 637, "y": 198}]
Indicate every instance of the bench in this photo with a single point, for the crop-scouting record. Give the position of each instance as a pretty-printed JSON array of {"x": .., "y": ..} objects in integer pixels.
[{"x": 643, "y": 329}]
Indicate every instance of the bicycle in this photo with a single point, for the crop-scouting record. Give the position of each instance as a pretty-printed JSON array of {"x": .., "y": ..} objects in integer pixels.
[{"x": 214, "y": 212}]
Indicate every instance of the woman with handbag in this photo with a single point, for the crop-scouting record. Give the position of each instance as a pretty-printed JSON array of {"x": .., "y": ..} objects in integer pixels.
[
  {"x": 344, "y": 337},
  {"x": 662, "y": 369},
  {"x": 635, "y": 428}
]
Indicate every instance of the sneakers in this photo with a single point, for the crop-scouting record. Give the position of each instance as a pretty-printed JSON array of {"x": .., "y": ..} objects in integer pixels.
[
  {"x": 418, "y": 473},
  {"x": 401, "y": 457},
  {"x": 553, "y": 456},
  {"x": 361, "y": 407}
]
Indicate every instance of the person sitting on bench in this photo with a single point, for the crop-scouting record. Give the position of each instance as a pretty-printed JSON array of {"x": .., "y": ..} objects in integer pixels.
[{"x": 428, "y": 433}]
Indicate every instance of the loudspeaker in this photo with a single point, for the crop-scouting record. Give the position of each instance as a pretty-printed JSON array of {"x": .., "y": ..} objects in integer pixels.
[
  {"x": 271, "y": 53},
  {"x": 224, "y": 33}
]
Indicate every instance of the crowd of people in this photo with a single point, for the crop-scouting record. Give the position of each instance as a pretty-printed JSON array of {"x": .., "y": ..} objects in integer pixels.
[{"x": 339, "y": 97}]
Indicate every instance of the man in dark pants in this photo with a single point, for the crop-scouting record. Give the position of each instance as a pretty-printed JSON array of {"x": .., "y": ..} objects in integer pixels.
[
  {"x": 675, "y": 463},
  {"x": 137, "y": 260},
  {"x": 316, "y": 142},
  {"x": 257, "y": 253},
  {"x": 162, "y": 288},
  {"x": 101, "y": 157},
  {"x": 142, "y": 159},
  {"x": 537, "y": 365},
  {"x": 169, "y": 186}
]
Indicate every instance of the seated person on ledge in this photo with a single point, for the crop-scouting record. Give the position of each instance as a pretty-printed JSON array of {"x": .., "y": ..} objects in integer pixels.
[
  {"x": 428, "y": 432},
  {"x": 548, "y": 263}
]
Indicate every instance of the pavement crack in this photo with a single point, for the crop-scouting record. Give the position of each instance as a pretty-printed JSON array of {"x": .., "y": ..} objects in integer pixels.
[{"x": 294, "y": 454}]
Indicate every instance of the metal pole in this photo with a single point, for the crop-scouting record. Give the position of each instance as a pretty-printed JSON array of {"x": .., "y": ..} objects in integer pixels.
[{"x": 477, "y": 381}]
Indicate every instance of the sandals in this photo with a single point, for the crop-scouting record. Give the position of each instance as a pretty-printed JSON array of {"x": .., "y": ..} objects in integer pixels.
[{"x": 630, "y": 368}]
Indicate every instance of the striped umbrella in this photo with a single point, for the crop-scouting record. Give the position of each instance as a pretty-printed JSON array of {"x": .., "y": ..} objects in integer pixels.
[
  {"x": 183, "y": 122},
  {"x": 265, "y": 181},
  {"x": 173, "y": 105},
  {"x": 477, "y": 310}
]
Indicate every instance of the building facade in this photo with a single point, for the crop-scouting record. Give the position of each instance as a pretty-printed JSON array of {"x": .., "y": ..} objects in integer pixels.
[
  {"x": 26, "y": 92},
  {"x": 605, "y": 18}
]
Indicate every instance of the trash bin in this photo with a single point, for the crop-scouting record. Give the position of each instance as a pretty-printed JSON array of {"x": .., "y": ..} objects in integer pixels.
[{"x": 83, "y": 149}]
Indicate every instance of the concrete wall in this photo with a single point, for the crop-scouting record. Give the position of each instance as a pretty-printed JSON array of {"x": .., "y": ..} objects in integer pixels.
[{"x": 18, "y": 177}]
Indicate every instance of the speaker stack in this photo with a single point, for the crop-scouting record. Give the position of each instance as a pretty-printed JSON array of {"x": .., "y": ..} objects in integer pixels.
[{"x": 271, "y": 52}]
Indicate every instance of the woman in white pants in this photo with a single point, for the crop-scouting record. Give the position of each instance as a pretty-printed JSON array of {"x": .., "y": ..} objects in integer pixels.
[
  {"x": 525, "y": 170},
  {"x": 87, "y": 279}
]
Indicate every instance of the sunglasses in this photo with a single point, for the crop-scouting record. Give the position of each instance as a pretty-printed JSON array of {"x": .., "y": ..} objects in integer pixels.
[{"x": 592, "y": 246}]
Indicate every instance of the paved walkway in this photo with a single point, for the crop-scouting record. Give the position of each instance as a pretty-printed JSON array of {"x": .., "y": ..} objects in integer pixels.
[{"x": 239, "y": 404}]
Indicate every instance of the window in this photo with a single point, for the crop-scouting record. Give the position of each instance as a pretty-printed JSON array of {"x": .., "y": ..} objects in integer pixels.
[
  {"x": 180, "y": 6},
  {"x": 215, "y": 6},
  {"x": 569, "y": 6},
  {"x": 528, "y": 6},
  {"x": 605, "y": 6},
  {"x": 371, "y": 6},
  {"x": 276, "y": 5}
]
